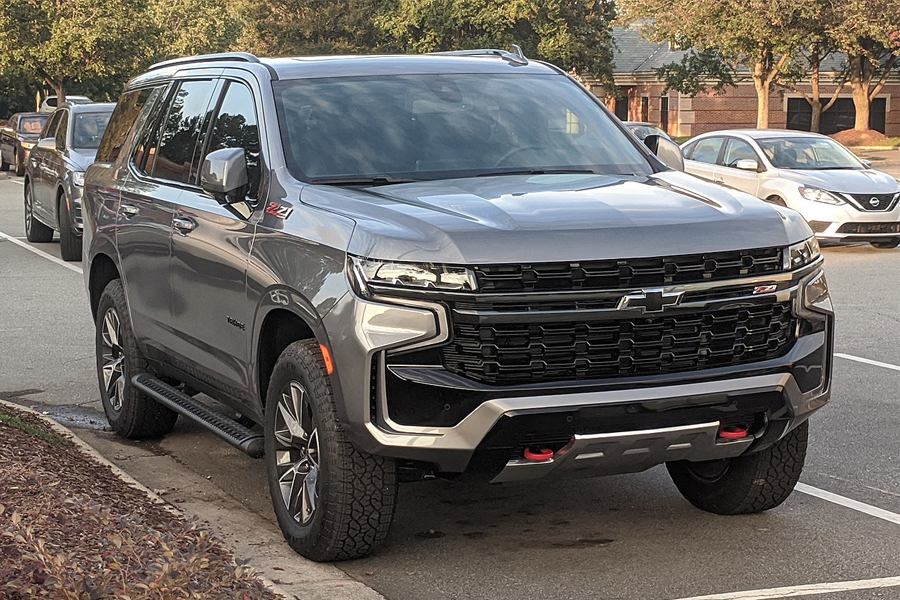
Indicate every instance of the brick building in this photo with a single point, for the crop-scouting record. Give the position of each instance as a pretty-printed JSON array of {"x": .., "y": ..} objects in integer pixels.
[{"x": 641, "y": 97}]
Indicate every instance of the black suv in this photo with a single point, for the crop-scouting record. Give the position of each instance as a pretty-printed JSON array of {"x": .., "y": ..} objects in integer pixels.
[{"x": 405, "y": 267}]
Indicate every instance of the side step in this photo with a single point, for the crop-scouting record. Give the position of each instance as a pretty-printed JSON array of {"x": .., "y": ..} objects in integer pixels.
[{"x": 228, "y": 429}]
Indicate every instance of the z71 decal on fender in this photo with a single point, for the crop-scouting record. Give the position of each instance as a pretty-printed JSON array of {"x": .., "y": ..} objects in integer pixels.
[{"x": 279, "y": 210}]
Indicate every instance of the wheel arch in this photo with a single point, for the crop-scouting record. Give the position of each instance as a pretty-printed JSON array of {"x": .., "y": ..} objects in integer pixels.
[{"x": 103, "y": 270}]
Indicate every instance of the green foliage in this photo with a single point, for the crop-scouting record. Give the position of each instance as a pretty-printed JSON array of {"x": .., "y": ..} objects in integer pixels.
[
  {"x": 696, "y": 69},
  {"x": 190, "y": 27},
  {"x": 574, "y": 35}
]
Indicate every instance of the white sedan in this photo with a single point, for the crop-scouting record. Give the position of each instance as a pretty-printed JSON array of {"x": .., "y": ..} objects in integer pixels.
[{"x": 842, "y": 197}]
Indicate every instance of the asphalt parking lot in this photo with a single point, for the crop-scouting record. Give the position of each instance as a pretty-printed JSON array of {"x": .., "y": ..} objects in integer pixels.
[{"x": 623, "y": 538}]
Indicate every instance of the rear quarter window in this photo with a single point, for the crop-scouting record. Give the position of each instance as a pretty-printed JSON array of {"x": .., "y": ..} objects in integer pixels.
[{"x": 127, "y": 110}]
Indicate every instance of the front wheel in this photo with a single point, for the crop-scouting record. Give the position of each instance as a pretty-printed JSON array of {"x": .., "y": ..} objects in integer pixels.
[
  {"x": 887, "y": 244},
  {"x": 35, "y": 231},
  {"x": 332, "y": 501},
  {"x": 20, "y": 164},
  {"x": 747, "y": 484}
]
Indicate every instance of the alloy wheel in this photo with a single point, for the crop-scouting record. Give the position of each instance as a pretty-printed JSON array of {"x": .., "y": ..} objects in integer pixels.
[
  {"x": 113, "y": 359},
  {"x": 297, "y": 453},
  {"x": 28, "y": 210}
]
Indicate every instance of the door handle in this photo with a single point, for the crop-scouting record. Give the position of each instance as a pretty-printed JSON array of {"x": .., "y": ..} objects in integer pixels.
[
  {"x": 128, "y": 210},
  {"x": 184, "y": 225}
]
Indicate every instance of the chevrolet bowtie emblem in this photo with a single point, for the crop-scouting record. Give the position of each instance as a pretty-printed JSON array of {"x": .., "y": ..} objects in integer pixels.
[{"x": 651, "y": 300}]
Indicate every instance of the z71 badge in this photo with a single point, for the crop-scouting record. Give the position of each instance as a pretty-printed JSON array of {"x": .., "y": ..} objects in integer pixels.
[{"x": 279, "y": 210}]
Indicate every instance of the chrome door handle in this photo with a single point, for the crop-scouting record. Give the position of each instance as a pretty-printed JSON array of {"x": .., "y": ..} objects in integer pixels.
[
  {"x": 184, "y": 225},
  {"x": 128, "y": 210}
]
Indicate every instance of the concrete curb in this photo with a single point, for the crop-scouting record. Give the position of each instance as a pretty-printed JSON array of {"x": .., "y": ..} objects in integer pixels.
[
  {"x": 223, "y": 516},
  {"x": 871, "y": 148}
]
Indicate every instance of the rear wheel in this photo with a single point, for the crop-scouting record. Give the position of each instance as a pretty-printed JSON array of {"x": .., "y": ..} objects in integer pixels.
[
  {"x": 333, "y": 502},
  {"x": 130, "y": 413},
  {"x": 69, "y": 239},
  {"x": 4, "y": 166},
  {"x": 35, "y": 231},
  {"x": 887, "y": 244},
  {"x": 747, "y": 484}
]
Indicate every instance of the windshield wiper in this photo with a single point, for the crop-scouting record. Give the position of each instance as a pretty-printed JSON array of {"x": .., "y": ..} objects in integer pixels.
[
  {"x": 537, "y": 172},
  {"x": 374, "y": 180}
]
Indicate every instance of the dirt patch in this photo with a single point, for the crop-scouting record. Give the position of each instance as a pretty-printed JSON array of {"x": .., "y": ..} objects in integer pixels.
[
  {"x": 852, "y": 137},
  {"x": 70, "y": 528}
]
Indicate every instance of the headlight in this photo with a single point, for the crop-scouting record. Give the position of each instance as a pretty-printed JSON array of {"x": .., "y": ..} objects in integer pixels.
[
  {"x": 78, "y": 178},
  {"x": 816, "y": 295},
  {"x": 801, "y": 254},
  {"x": 410, "y": 275},
  {"x": 817, "y": 195},
  {"x": 28, "y": 145}
]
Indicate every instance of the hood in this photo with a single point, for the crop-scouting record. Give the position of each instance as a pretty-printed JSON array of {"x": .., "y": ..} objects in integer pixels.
[
  {"x": 852, "y": 181},
  {"x": 82, "y": 158},
  {"x": 547, "y": 218},
  {"x": 29, "y": 137}
]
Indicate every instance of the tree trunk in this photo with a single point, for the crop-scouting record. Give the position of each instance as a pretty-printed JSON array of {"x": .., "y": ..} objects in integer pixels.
[
  {"x": 762, "y": 99},
  {"x": 816, "y": 122},
  {"x": 60, "y": 88},
  {"x": 816, "y": 104},
  {"x": 860, "y": 75}
]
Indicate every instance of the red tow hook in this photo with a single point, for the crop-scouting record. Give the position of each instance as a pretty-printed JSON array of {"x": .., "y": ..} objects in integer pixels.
[
  {"x": 733, "y": 432},
  {"x": 542, "y": 455}
]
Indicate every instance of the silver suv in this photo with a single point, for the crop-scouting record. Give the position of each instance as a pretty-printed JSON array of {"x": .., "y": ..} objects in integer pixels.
[{"x": 405, "y": 267}]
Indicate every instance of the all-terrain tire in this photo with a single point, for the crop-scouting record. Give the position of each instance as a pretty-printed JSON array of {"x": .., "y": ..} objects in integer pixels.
[
  {"x": 69, "y": 240},
  {"x": 886, "y": 244},
  {"x": 35, "y": 231},
  {"x": 357, "y": 492},
  {"x": 138, "y": 416},
  {"x": 747, "y": 484}
]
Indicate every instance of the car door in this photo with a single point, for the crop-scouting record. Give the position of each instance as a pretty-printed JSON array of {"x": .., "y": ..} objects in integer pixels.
[
  {"x": 211, "y": 245},
  {"x": 747, "y": 181},
  {"x": 53, "y": 168},
  {"x": 37, "y": 159},
  {"x": 158, "y": 171},
  {"x": 703, "y": 158},
  {"x": 7, "y": 140}
]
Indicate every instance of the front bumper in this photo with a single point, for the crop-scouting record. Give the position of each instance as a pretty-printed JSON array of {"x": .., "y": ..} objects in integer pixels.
[
  {"x": 598, "y": 428},
  {"x": 845, "y": 222}
]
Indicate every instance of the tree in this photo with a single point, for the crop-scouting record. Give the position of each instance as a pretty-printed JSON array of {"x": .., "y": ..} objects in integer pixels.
[
  {"x": 759, "y": 35},
  {"x": 190, "y": 27},
  {"x": 297, "y": 27},
  {"x": 867, "y": 30},
  {"x": 576, "y": 36},
  {"x": 66, "y": 41},
  {"x": 692, "y": 76}
]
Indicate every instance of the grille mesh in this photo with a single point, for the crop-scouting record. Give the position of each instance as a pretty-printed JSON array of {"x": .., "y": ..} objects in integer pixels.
[
  {"x": 627, "y": 273},
  {"x": 869, "y": 228},
  {"x": 514, "y": 353}
]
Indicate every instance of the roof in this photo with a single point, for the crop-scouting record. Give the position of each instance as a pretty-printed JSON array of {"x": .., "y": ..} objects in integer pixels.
[
  {"x": 92, "y": 107},
  {"x": 758, "y": 134},
  {"x": 349, "y": 66}
]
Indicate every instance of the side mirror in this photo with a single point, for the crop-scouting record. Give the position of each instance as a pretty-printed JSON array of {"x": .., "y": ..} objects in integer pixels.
[
  {"x": 224, "y": 173},
  {"x": 866, "y": 162},
  {"x": 665, "y": 150},
  {"x": 47, "y": 144},
  {"x": 747, "y": 164}
]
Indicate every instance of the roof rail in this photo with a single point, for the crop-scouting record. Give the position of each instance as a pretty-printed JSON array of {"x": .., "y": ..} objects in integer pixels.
[
  {"x": 230, "y": 56},
  {"x": 515, "y": 55}
]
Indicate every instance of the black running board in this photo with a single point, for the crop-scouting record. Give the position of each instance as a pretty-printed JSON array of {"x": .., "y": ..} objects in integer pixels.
[{"x": 228, "y": 429}]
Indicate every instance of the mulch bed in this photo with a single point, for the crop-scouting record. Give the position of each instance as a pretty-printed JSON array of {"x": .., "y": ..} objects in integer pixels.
[
  {"x": 851, "y": 137},
  {"x": 69, "y": 528}
]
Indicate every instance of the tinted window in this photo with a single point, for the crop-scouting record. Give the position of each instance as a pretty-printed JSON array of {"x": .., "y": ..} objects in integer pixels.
[
  {"x": 49, "y": 130},
  {"x": 145, "y": 146},
  {"x": 235, "y": 126},
  {"x": 442, "y": 126},
  {"x": 88, "y": 129},
  {"x": 707, "y": 150},
  {"x": 123, "y": 117},
  {"x": 62, "y": 130},
  {"x": 51, "y": 101},
  {"x": 737, "y": 150},
  {"x": 32, "y": 125},
  {"x": 181, "y": 129}
]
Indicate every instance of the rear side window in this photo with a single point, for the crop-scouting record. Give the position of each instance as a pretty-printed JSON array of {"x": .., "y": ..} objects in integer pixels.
[
  {"x": 125, "y": 114},
  {"x": 707, "y": 150},
  {"x": 236, "y": 126},
  {"x": 181, "y": 129}
]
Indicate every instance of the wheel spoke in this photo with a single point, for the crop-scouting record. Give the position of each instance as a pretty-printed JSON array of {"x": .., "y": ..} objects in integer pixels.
[
  {"x": 297, "y": 397},
  {"x": 296, "y": 453},
  {"x": 111, "y": 329},
  {"x": 294, "y": 429}
]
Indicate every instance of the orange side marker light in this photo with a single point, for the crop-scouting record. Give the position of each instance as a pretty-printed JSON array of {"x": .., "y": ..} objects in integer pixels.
[{"x": 326, "y": 356}]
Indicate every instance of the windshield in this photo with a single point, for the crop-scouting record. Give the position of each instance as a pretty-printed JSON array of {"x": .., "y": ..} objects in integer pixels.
[
  {"x": 32, "y": 125},
  {"x": 808, "y": 153},
  {"x": 410, "y": 127},
  {"x": 89, "y": 128}
]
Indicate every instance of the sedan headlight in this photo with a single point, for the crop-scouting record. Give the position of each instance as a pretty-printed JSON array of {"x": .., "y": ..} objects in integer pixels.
[
  {"x": 28, "y": 145},
  {"x": 78, "y": 178},
  {"x": 801, "y": 254},
  {"x": 817, "y": 195},
  {"x": 368, "y": 271}
]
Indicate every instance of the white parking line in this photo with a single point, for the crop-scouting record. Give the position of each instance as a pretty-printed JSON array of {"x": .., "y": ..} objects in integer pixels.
[
  {"x": 804, "y": 590},
  {"x": 872, "y": 511},
  {"x": 16, "y": 181},
  {"x": 868, "y": 361},
  {"x": 40, "y": 253}
]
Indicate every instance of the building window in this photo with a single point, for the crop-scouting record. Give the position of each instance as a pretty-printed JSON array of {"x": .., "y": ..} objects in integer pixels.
[
  {"x": 645, "y": 109},
  {"x": 664, "y": 113},
  {"x": 841, "y": 116}
]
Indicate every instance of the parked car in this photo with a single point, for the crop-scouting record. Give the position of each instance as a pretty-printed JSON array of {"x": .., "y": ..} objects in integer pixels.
[
  {"x": 54, "y": 177},
  {"x": 17, "y": 139},
  {"x": 842, "y": 197},
  {"x": 642, "y": 130},
  {"x": 50, "y": 102},
  {"x": 409, "y": 267}
]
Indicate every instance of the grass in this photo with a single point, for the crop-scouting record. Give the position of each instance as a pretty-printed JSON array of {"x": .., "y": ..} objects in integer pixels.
[{"x": 13, "y": 421}]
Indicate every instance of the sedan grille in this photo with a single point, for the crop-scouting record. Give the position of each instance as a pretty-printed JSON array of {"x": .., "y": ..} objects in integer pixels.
[
  {"x": 874, "y": 202},
  {"x": 627, "y": 273},
  {"x": 864, "y": 228},
  {"x": 510, "y": 353}
]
